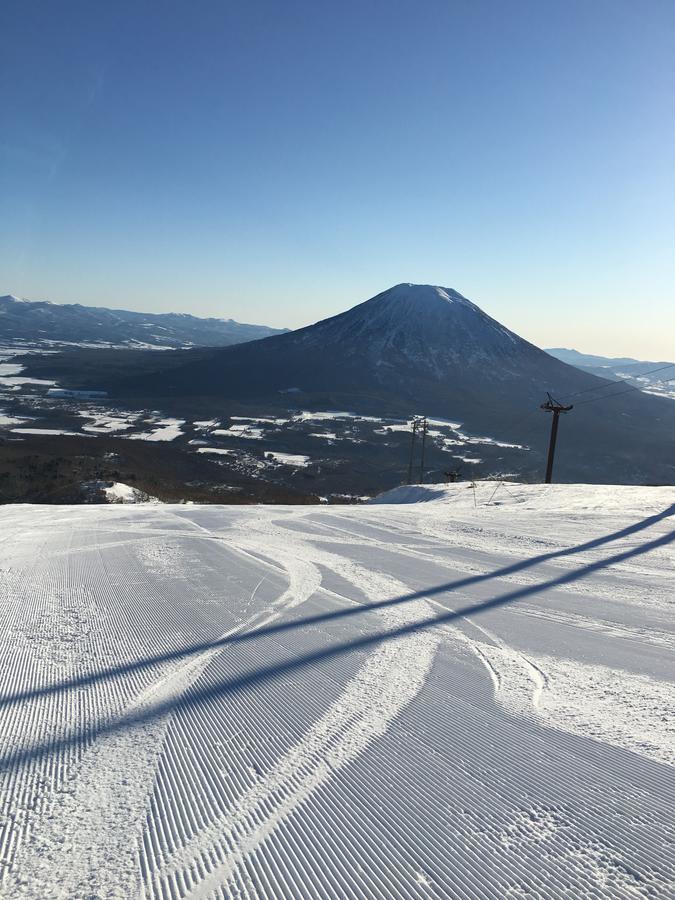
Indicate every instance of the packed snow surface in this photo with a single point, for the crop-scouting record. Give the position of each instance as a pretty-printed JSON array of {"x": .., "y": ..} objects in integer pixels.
[{"x": 458, "y": 691}]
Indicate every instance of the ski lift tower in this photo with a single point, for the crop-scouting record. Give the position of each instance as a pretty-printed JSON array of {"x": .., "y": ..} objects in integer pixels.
[{"x": 556, "y": 408}]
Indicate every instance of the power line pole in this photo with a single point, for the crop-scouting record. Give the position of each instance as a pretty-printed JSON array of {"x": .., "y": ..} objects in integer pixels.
[
  {"x": 414, "y": 425},
  {"x": 556, "y": 408},
  {"x": 425, "y": 428}
]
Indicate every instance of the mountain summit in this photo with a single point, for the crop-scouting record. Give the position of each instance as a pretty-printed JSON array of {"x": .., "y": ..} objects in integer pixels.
[{"x": 431, "y": 327}]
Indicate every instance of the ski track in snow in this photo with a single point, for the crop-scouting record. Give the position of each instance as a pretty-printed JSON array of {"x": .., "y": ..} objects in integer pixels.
[
  {"x": 400, "y": 769},
  {"x": 391, "y": 676}
]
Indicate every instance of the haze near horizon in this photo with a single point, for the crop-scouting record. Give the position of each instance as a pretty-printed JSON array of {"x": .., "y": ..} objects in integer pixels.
[{"x": 279, "y": 165}]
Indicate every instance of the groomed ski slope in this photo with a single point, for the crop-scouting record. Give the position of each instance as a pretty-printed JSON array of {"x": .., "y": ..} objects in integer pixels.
[{"x": 456, "y": 692}]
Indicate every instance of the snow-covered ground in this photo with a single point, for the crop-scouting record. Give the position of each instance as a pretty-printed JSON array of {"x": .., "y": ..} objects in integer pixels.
[
  {"x": 290, "y": 459},
  {"x": 469, "y": 696},
  {"x": 118, "y": 492},
  {"x": 47, "y": 431},
  {"x": 167, "y": 430}
]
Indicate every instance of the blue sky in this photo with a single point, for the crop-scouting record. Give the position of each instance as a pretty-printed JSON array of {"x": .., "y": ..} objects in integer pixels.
[{"x": 280, "y": 162}]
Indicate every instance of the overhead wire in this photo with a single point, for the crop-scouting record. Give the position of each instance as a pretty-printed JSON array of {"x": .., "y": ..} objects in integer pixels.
[
  {"x": 602, "y": 387},
  {"x": 615, "y": 394}
]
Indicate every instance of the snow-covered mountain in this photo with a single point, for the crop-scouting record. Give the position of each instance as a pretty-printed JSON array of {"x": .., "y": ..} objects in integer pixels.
[
  {"x": 411, "y": 345},
  {"x": 428, "y": 326},
  {"x": 44, "y": 323}
]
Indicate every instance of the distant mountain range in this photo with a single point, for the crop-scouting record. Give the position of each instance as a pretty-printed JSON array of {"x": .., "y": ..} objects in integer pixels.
[
  {"x": 583, "y": 360},
  {"x": 43, "y": 323},
  {"x": 645, "y": 375}
]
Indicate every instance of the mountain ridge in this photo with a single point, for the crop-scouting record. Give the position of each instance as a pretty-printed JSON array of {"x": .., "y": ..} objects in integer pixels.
[
  {"x": 74, "y": 323},
  {"x": 592, "y": 360},
  {"x": 651, "y": 377}
]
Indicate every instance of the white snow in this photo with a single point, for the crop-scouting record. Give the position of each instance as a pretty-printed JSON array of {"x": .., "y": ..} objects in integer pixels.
[
  {"x": 553, "y": 498},
  {"x": 118, "y": 492},
  {"x": 216, "y": 450},
  {"x": 11, "y": 420},
  {"x": 661, "y": 392},
  {"x": 14, "y": 383},
  {"x": 10, "y": 369},
  {"x": 445, "y": 423},
  {"x": 289, "y": 459},
  {"x": 104, "y": 423},
  {"x": 260, "y": 420},
  {"x": 398, "y": 426},
  {"x": 459, "y": 438},
  {"x": 166, "y": 430},
  {"x": 10, "y": 377},
  {"x": 249, "y": 432},
  {"x": 452, "y": 691},
  {"x": 52, "y": 431},
  {"x": 327, "y": 414}
]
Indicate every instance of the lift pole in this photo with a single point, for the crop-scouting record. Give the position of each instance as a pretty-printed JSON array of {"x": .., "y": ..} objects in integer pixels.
[
  {"x": 414, "y": 425},
  {"x": 556, "y": 408},
  {"x": 425, "y": 428}
]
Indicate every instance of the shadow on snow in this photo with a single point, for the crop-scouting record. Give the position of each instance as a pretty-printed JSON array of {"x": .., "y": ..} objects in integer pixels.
[{"x": 222, "y": 688}]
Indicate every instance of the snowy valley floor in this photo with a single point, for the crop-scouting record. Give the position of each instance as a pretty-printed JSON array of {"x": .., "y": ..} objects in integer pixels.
[{"x": 465, "y": 696}]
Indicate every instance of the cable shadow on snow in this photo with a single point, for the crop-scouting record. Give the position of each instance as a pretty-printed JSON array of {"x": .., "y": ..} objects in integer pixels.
[
  {"x": 200, "y": 696},
  {"x": 321, "y": 618}
]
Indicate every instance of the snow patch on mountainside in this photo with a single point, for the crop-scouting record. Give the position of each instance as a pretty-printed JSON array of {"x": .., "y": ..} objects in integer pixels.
[
  {"x": 166, "y": 430},
  {"x": 118, "y": 492}
]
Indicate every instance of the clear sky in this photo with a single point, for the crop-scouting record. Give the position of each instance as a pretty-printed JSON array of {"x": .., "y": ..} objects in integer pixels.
[{"x": 278, "y": 162}]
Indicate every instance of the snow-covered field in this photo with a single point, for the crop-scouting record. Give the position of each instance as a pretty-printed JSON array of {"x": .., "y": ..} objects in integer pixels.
[{"x": 464, "y": 694}]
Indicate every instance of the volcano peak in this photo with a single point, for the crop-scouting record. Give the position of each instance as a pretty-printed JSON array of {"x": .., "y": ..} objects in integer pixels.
[{"x": 422, "y": 293}]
